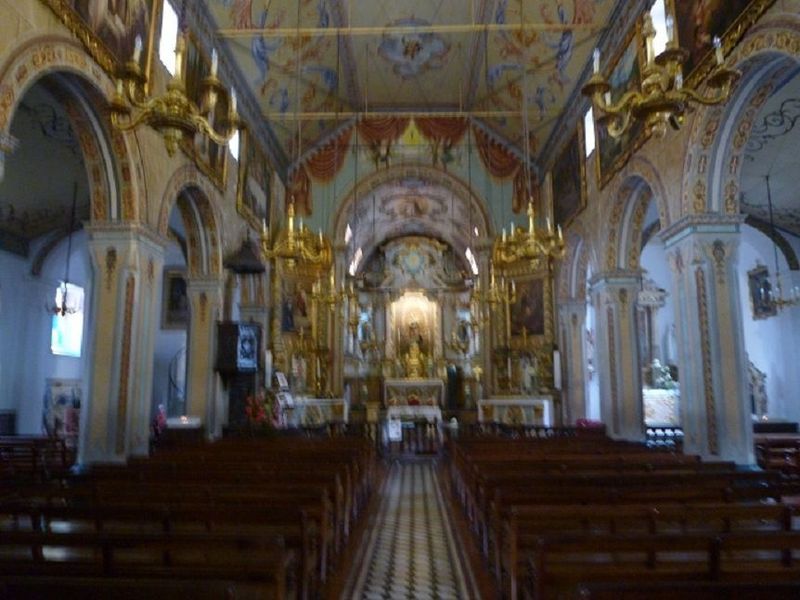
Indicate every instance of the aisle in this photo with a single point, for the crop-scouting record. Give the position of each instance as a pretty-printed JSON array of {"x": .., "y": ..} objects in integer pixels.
[{"x": 409, "y": 550}]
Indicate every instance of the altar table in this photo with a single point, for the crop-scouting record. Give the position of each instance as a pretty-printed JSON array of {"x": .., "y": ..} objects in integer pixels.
[
  {"x": 517, "y": 410},
  {"x": 423, "y": 392},
  {"x": 305, "y": 412}
]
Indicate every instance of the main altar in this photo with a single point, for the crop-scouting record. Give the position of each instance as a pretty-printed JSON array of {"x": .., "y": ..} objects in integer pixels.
[{"x": 413, "y": 392}]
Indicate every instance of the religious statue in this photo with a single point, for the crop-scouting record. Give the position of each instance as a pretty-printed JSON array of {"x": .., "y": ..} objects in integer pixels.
[{"x": 414, "y": 361}]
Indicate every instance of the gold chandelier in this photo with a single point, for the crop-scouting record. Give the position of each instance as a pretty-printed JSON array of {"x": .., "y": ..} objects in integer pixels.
[
  {"x": 531, "y": 245},
  {"x": 173, "y": 114},
  {"x": 299, "y": 245},
  {"x": 663, "y": 97}
]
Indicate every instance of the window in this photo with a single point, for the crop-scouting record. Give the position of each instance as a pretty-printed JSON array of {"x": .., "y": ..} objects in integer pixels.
[
  {"x": 658, "y": 14},
  {"x": 169, "y": 35},
  {"x": 66, "y": 336},
  {"x": 588, "y": 131},
  {"x": 355, "y": 262},
  {"x": 472, "y": 262}
]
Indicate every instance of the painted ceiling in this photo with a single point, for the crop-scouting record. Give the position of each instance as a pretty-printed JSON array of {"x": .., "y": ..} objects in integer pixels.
[
  {"x": 772, "y": 150},
  {"x": 314, "y": 64}
]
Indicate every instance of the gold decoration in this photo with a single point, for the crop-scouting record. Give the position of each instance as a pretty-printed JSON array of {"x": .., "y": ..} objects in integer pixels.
[
  {"x": 299, "y": 245},
  {"x": 529, "y": 245}
]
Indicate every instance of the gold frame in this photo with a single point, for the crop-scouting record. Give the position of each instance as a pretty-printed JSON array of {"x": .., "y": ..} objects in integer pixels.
[
  {"x": 730, "y": 37},
  {"x": 584, "y": 194},
  {"x": 241, "y": 207},
  {"x": 95, "y": 46},
  {"x": 636, "y": 142},
  {"x": 219, "y": 175}
]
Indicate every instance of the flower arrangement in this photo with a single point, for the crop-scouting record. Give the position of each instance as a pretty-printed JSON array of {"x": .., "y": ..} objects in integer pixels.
[
  {"x": 662, "y": 378},
  {"x": 260, "y": 410}
]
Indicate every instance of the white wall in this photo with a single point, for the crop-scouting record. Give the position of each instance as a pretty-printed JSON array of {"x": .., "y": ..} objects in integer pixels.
[
  {"x": 654, "y": 262},
  {"x": 771, "y": 343},
  {"x": 25, "y": 353}
]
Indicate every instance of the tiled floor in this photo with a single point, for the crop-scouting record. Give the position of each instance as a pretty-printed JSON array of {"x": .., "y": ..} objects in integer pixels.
[{"x": 410, "y": 549}]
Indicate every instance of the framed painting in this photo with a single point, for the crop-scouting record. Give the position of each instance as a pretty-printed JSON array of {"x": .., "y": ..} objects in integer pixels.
[
  {"x": 175, "y": 300},
  {"x": 527, "y": 312},
  {"x": 626, "y": 68},
  {"x": 296, "y": 306},
  {"x": 109, "y": 29},
  {"x": 569, "y": 180},
  {"x": 210, "y": 157},
  {"x": 760, "y": 289},
  {"x": 254, "y": 190},
  {"x": 699, "y": 21}
]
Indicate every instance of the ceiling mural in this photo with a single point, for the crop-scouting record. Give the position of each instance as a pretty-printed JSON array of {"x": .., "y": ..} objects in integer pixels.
[{"x": 315, "y": 64}]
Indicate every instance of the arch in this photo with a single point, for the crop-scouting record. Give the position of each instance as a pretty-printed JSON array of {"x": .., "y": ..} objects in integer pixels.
[
  {"x": 713, "y": 163},
  {"x": 435, "y": 177},
  {"x": 109, "y": 155},
  {"x": 627, "y": 219},
  {"x": 193, "y": 194}
]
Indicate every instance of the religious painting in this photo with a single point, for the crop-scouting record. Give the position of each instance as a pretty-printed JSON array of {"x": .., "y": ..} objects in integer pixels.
[
  {"x": 175, "y": 300},
  {"x": 111, "y": 28},
  {"x": 210, "y": 157},
  {"x": 61, "y": 410},
  {"x": 569, "y": 180},
  {"x": 760, "y": 289},
  {"x": 527, "y": 312},
  {"x": 295, "y": 306},
  {"x": 253, "y": 198},
  {"x": 697, "y": 22},
  {"x": 612, "y": 153}
]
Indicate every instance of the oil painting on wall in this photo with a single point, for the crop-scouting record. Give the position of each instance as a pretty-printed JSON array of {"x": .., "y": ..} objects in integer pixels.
[
  {"x": 569, "y": 181},
  {"x": 527, "y": 313},
  {"x": 255, "y": 185}
]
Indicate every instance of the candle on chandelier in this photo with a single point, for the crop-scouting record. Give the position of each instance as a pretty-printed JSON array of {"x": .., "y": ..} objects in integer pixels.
[
  {"x": 670, "y": 24},
  {"x": 320, "y": 236},
  {"x": 504, "y": 234},
  {"x": 137, "y": 49},
  {"x": 560, "y": 235},
  {"x": 333, "y": 281},
  {"x": 513, "y": 287},
  {"x": 233, "y": 101},
  {"x": 679, "y": 80},
  {"x": 214, "y": 62},
  {"x": 119, "y": 87},
  {"x": 718, "y": 50},
  {"x": 549, "y": 225},
  {"x": 596, "y": 61}
]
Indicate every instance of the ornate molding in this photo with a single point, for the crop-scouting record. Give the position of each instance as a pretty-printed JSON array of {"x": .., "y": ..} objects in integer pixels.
[
  {"x": 705, "y": 349},
  {"x": 701, "y": 223},
  {"x": 125, "y": 366}
]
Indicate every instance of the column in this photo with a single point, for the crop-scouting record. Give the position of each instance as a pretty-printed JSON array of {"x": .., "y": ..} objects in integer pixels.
[
  {"x": 203, "y": 385},
  {"x": 715, "y": 412},
  {"x": 115, "y": 423},
  {"x": 572, "y": 315},
  {"x": 614, "y": 296}
]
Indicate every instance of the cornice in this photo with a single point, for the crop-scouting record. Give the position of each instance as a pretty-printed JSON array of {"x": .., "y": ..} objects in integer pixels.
[{"x": 701, "y": 223}]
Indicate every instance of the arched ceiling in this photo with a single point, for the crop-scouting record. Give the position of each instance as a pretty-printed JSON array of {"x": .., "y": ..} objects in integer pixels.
[
  {"x": 772, "y": 149},
  {"x": 314, "y": 64}
]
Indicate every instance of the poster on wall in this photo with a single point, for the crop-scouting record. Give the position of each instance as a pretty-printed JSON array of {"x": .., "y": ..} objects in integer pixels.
[
  {"x": 625, "y": 75},
  {"x": 62, "y": 407},
  {"x": 112, "y": 28},
  {"x": 527, "y": 313},
  {"x": 569, "y": 180},
  {"x": 699, "y": 21},
  {"x": 253, "y": 197}
]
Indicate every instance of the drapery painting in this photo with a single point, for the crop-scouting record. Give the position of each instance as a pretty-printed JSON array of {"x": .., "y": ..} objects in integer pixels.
[
  {"x": 625, "y": 76},
  {"x": 569, "y": 181},
  {"x": 253, "y": 199},
  {"x": 116, "y": 24},
  {"x": 698, "y": 21},
  {"x": 527, "y": 313}
]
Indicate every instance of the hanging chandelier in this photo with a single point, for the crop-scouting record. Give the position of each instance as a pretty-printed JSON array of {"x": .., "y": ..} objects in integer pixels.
[
  {"x": 296, "y": 245},
  {"x": 773, "y": 294},
  {"x": 173, "y": 114},
  {"x": 663, "y": 98},
  {"x": 532, "y": 245}
]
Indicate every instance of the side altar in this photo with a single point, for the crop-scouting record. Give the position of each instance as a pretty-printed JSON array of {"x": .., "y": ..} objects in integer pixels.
[{"x": 517, "y": 410}]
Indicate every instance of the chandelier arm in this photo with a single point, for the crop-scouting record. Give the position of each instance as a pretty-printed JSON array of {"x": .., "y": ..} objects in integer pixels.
[
  {"x": 132, "y": 122},
  {"x": 204, "y": 126},
  {"x": 717, "y": 98},
  {"x": 622, "y": 106}
]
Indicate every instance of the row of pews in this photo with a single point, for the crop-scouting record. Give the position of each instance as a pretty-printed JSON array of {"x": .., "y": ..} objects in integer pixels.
[
  {"x": 238, "y": 518},
  {"x": 582, "y": 516}
]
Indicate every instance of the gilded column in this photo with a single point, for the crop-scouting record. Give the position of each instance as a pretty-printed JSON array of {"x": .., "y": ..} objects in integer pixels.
[
  {"x": 614, "y": 296},
  {"x": 572, "y": 317},
  {"x": 203, "y": 388},
  {"x": 715, "y": 413}
]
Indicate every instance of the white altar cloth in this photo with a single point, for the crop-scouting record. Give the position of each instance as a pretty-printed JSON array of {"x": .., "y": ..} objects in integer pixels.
[
  {"x": 316, "y": 411},
  {"x": 517, "y": 410},
  {"x": 433, "y": 414},
  {"x": 426, "y": 392}
]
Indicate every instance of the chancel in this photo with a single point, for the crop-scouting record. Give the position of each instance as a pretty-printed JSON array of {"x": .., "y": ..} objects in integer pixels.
[{"x": 357, "y": 299}]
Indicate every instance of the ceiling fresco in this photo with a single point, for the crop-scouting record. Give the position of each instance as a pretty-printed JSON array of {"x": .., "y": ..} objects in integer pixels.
[{"x": 314, "y": 64}]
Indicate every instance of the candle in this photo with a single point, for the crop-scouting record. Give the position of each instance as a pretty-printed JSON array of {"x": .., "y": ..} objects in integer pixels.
[
  {"x": 596, "y": 61},
  {"x": 504, "y": 234},
  {"x": 137, "y": 49},
  {"x": 679, "y": 80},
  {"x": 718, "y": 50},
  {"x": 511, "y": 229},
  {"x": 607, "y": 98},
  {"x": 119, "y": 87},
  {"x": 670, "y": 23},
  {"x": 233, "y": 101},
  {"x": 549, "y": 225},
  {"x": 560, "y": 236},
  {"x": 300, "y": 229},
  {"x": 513, "y": 287},
  {"x": 320, "y": 236},
  {"x": 214, "y": 62},
  {"x": 264, "y": 226}
]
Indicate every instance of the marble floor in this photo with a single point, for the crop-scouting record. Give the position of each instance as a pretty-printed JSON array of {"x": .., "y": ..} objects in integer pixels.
[{"x": 410, "y": 550}]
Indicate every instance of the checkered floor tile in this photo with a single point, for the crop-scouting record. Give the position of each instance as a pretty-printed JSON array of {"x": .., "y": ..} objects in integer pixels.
[{"x": 410, "y": 550}]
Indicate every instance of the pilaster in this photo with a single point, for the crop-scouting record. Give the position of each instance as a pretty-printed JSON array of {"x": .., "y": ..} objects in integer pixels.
[
  {"x": 713, "y": 367},
  {"x": 614, "y": 297},
  {"x": 572, "y": 316},
  {"x": 203, "y": 388},
  {"x": 116, "y": 421}
]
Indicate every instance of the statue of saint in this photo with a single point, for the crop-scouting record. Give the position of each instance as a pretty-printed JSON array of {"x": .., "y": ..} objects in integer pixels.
[{"x": 414, "y": 361}]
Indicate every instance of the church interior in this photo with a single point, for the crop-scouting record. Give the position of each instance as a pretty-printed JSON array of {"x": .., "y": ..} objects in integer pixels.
[{"x": 420, "y": 299}]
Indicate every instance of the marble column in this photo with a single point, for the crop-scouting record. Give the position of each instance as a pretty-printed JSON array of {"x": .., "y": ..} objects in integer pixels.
[
  {"x": 572, "y": 316},
  {"x": 115, "y": 422},
  {"x": 715, "y": 413},
  {"x": 203, "y": 385},
  {"x": 614, "y": 297}
]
